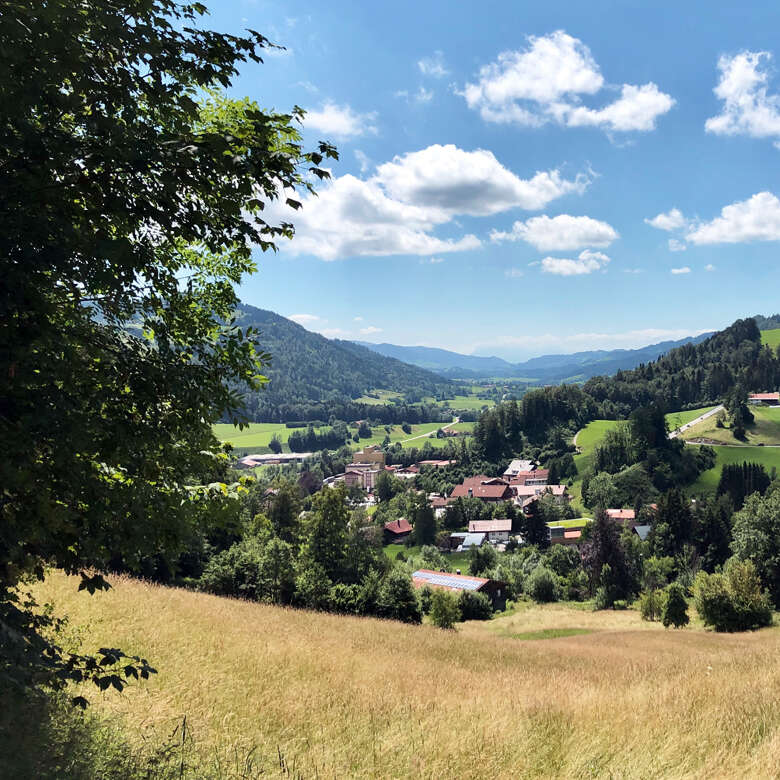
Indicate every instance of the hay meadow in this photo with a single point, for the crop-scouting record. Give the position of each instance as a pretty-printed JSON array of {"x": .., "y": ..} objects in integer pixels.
[{"x": 281, "y": 692}]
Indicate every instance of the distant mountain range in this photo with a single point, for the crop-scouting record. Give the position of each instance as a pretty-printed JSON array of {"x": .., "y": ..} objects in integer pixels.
[{"x": 576, "y": 367}]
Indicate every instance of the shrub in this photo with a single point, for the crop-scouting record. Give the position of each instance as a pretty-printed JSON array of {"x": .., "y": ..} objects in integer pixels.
[
  {"x": 312, "y": 587},
  {"x": 651, "y": 604},
  {"x": 732, "y": 601},
  {"x": 398, "y": 599},
  {"x": 481, "y": 559},
  {"x": 675, "y": 612},
  {"x": 474, "y": 606},
  {"x": 445, "y": 611},
  {"x": 425, "y": 595},
  {"x": 540, "y": 585},
  {"x": 235, "y": 571},
  {"x": 345, "y": 599}
]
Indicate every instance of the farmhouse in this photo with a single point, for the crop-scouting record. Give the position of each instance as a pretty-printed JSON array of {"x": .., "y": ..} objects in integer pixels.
[
  {"x": 495, "y": 530},
  {"x": 769, "y": 399},
  {"x": 487, "y": 489},
  {"x": 397, "y": 530},
  {"x": 621, "y": 516},
  {"x": 535, "y": 477},
  {"x": 562, "y": 535},
  {"x": 495, "y": 590}
]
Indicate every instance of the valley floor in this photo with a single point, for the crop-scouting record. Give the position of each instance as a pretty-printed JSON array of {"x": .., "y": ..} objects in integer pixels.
[{"x": 306, "y": 694}]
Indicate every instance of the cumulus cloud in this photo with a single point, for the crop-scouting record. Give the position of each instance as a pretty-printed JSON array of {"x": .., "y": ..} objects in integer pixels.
[
  {"x": 709, "y": 267},
  {"x": 433, "y": 66},
  {"x": 545, "y": 82},
  {"x": 474, "y": 183},
  {"x": 587, "y": 262},
  {"x": 396, "y": 210},
  {"x": 340, "y": 121},
  {"x": 676, "y": 245},
  {"x": 748, "y": 106},
  {"x": 370, "y": 329},
  {"x": 683, "y": 270},
  {"x": 671, "y": 220},
  {"x": 564, "y": 232},
  {"x": 754, "y": 219},
  {"x": 303, "y": 319}
]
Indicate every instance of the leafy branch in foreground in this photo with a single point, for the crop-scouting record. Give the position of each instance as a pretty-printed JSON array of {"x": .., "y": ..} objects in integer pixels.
[{"x": 132, "y": 195}]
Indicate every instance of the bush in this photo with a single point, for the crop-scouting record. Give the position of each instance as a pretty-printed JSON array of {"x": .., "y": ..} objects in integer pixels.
[
  {"x": 445, "y": 611},
  {"x": 651, "y": 604},
  {"x": 540, "y": 585},
  {"x": 732, "y": 601},
  {"x": 675, "y": 612},
  {"x": 481, "y": 559},
  {"x": 474, "y": 606},
  {"x": 235, "y": 571},
  {"x": 425, "y": 595},
  {"x": 398, "y": 598},
  {"x": 312, "y": 587},
  {"x": 346, "y": 599}
]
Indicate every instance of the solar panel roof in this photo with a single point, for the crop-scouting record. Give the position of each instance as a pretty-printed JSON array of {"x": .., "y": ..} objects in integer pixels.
[{"x": 446, "y": 580}]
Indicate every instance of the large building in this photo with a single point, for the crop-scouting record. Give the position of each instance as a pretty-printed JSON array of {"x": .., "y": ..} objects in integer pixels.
[
  {"x": 495, "y": 590},
  {"x": 488, "y": 489},
  {"x": 372, "y": 455}
]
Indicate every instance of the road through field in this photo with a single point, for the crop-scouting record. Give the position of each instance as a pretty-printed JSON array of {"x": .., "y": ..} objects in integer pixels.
[
  {"x": 675, "y": 433},
  {"x": 427, "y": 435}
]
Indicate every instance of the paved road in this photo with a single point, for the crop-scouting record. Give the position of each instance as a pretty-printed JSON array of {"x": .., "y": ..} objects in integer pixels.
[
  {"x": 426, "y": 435},
  {"x": 674, "y": 434}
]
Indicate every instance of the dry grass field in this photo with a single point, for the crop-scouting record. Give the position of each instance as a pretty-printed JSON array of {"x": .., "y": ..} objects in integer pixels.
[{"x": 347, "y": 697}]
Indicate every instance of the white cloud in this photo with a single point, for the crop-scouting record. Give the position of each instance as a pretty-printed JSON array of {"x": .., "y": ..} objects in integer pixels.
[
  {"x": 513, "y": 273},
  {"x": 754, "y": 219},
  {"x": 363, "y": 160},
  {"x": 677, "y": 246},
  {"x": 671, "y": 220},
  {"x": 395, "y": 211},
  {"x": 433, "y": 66},
  {"x": 370, "y": 329},
  {"x": 473, "y": 183},
  {"x": 709, "y": 267},
  {"x": 586, "y": 263},
  {"x": 560, "y": 233},
  {"x": 748, "y": 107},
  {"x": 423, "y": 95},
  {"x": 683, "y": 270},
  {"x": 303, "y": 319},
  {"x": 340, "y": 121},
  {"x": 545, "y": 83}
]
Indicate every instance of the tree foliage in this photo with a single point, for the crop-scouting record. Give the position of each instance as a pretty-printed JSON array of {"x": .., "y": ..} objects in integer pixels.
[{"x": 131, "y": 196}]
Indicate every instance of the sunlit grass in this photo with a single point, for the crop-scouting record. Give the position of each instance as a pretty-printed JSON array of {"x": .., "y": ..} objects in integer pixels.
[{"x": 349, "y": 697}]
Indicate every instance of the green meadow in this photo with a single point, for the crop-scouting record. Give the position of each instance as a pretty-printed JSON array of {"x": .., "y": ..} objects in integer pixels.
[
  {"x": 771, "y": 338},
  {"x": 707, "y": 482}
]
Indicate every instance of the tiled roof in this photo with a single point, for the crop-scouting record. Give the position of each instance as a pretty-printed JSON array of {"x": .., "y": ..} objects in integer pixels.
[
  {"x": 400, "y": 526},
  {"x": 490, "y": 526}
]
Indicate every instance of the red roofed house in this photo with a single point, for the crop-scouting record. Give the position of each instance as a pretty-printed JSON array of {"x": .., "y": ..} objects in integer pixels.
[
  {"x": 397, "y": 530},
  {"x": 537, "y": 477},
  {"x": 772, "y": 399},
  {"x": 622, "y": 516},
  {"x": 496, "y": 530},
  {"x": 488, "y": 489}
]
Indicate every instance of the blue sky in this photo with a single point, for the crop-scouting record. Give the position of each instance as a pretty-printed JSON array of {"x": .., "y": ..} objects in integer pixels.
[{"x": 526, "y": 178}]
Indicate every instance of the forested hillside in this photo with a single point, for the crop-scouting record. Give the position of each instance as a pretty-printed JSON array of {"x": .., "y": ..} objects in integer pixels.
[
  {"x": 692, "y": 375},
  {"x": 308, "y": 370}
]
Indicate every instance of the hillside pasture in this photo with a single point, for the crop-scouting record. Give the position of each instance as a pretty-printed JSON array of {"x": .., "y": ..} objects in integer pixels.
[
  {"x": 255, "y": 437},
  {"x": 707, "y": 483},
  {"x": 771, "y": 338},
  {"x": 328, "y": 696},
  {"x": 586, "y": 439},
  {"x": 765, "y": 429},
  {"x": 676, "y": 420}
]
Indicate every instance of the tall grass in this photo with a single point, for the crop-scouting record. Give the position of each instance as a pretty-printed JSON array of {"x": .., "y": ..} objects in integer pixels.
[{"x": 320, "y": 695}]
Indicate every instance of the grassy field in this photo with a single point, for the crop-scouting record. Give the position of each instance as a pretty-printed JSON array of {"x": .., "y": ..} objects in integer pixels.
[
  {"x": 587, "y": 439},
  {"x": 255, "y": 437},
  {"x": 294, "y": 693},
  {"x": 677, "y": 419},
  {"x": 771, "y": 338},
  {"x": 765, "y": 430},
  {"x": 467, "y": 402},
  {"x": 453, "y": 561},
  {"x": 707, "y": 482},
  {"x": 378, "y": 397}
]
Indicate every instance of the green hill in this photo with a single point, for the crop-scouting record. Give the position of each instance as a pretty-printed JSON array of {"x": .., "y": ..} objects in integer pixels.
[
  {"x": 308, "y": 370},
  {"x": 771, "y": 338}
]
